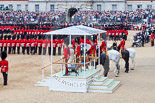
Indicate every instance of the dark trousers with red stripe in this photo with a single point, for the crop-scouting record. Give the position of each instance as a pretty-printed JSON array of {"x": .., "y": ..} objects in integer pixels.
[
  {"x": 28, "y": 50},
  {"x": 59, "y": 50},
  {"x": 40, "y": 50},
  {"x": 32, "y": 50},
  {"x": 18, "y": 50},
  {"x": 44, "y": 50},
  {"x": 5, "y": 49},
  {"x": 9, "y": 52},
  {"x": 49, "y": 50},
  {"x": 5, "y": 77},
  {"x": 23, "y": 50},
  {"x": 13, "y": 50},
  {"x": 66, "y": 72}
]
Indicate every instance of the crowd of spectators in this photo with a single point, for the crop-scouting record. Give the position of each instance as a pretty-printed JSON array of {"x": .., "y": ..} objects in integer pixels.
[
  {"x": 27, "y": 17},
  {"x": 137, "y": 16}
]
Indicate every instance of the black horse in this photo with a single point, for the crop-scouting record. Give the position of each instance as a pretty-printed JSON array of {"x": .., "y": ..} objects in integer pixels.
[
  {"x": 104, "y": 61},
  {"x": 125, "y": 56}
]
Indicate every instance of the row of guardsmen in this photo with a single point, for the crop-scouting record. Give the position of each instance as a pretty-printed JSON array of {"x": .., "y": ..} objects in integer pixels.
[{"x": 30, "y": 44}]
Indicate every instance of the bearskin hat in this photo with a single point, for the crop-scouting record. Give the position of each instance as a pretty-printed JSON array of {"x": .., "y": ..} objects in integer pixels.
[{"x": 3, "y": 55}]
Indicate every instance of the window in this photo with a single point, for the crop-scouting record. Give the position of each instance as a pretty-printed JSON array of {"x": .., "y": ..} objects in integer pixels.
[
  {"x": 26, "y": 7},
  {"x": 1, "y": 7},
  {"x": 139, "y": 6},
  {"x": 99, "y": 8},
  {"x": 37, "y": 8},
  {"x": 114, "y": 7},
  {"x": 149, "y": 6},
  {"x": 129, "y": 7},
  {"x": 10, "y": 6},
  {"x": 18, "y": 7},
  {"x": 52, "y": 8}
]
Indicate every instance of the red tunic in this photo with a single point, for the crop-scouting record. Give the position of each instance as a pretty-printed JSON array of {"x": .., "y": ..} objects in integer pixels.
[
  {"x": 92, "y": 49},
  {"x": 122, "y": 44},
  {"x": 54, "y": 43},
  {"x": 18, "y": 43},
  {"x": 59, "y": 42},
  {"x": 1, "y": 43},
  {"x": 23, "y": 43},
  {"x": 152, "y": 37},
  {"x": 40, "y": 43},
  {"x": 9, "y": 43},
  {"x": 28, "y": 43},
  {"x": 66, "y": 53},
  {"x": 77, "y": 52},
  {"x": 4, "y": 66},
  {"x": 49, "y": 43},
  {"x": 13, "y": 43},
  {"x": 44, "y": 44},
  {"x": 103, "y": 46}
]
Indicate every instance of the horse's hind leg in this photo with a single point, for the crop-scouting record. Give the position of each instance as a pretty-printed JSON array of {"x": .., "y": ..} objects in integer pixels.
[
  {"x": 127, "y": 66},
  {"x": 106, "y": 66},
  {"x": 118, "y": 69},
  {"x": 133, "y": 64}
]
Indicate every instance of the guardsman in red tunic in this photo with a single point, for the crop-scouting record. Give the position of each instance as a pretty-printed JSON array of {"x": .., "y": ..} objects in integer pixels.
[
  {"x": 18, "y": 45},
  {"x": 9, "y": 44},
  {"x": 32, "y": 46},
  {"x": 66, "y": 56},
  {"x": 49, "y": 46},
  {"x": 92, "y": 50},
  {"x": 54, "y": 46},
  {"x": 1, "y": 44},
  {"x": 14, "y": 46},
  {"x": 4, "y": 67},
  {"x": 103, "y": 46},
  {"x": 122, "y": 44},
  {"x": 44, "y": 45},
  {"x": 28, "y": 44},
  {"x": 40, "y": 46},
  {"x": 23, "y": 45},
  {"x": 152, "y": 39},
  {"x": 59, "y": 44}
]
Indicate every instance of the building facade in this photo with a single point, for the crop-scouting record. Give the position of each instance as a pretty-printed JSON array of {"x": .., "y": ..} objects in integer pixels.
[{"x": 64, "y": 5}]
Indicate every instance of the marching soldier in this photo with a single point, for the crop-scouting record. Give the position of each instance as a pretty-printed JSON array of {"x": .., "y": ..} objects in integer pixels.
[
  {"x": 44, "y": 45},
  {"x": 28, "y": 44},
  {"x": 18, "y": 44},
  {"x": 4, "y": 67},
  {"x": 49, "y": 47},
  {"x": 5, "y": 43},
  {"x": 1, "y": 43},
  {"x": 23, "y": 45},
  {"x": 32, "y": 46},
  {"x": 59, "y": 44},
  {"x": 13, "y": 45},
  {"x": 9, "y": 44},
  {"x": 40, "y": 46}
]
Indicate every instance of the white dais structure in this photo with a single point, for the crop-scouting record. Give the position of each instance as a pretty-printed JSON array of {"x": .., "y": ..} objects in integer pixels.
[{"x": 87, "y": 80}]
